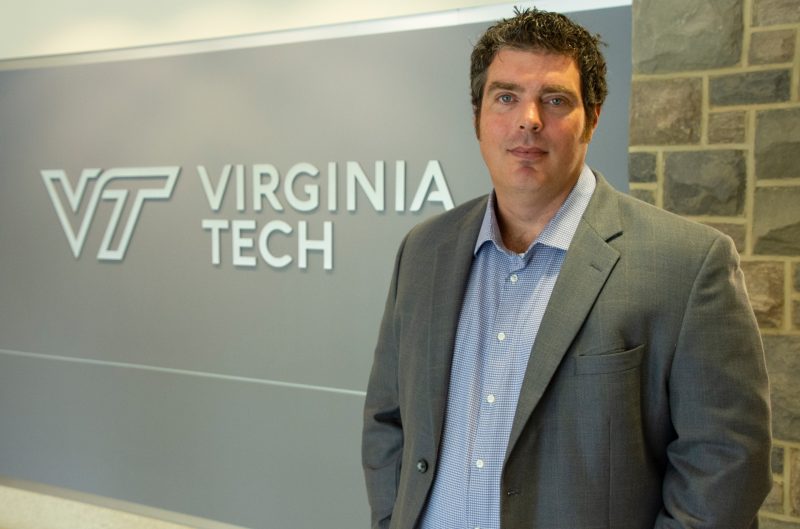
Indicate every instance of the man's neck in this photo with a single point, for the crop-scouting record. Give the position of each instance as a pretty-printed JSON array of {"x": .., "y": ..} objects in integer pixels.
[{"x": 522, "y": 219}]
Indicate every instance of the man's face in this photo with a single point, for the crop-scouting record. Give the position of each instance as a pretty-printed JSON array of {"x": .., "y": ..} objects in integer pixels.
[{"x": 532, "y": 127}]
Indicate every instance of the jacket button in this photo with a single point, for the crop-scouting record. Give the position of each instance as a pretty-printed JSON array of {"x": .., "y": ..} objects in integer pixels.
[{"x": 422, "y": 466}]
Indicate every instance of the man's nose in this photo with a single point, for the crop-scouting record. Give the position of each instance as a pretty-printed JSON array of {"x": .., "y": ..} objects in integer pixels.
[{"x": 531, "y": 118}]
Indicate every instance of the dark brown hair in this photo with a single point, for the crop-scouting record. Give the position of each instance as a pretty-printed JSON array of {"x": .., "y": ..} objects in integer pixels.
[{"x": 535, "y": 30}]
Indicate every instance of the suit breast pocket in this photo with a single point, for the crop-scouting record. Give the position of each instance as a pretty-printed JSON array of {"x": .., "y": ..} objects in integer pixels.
[{"x": 614, "y": 361}]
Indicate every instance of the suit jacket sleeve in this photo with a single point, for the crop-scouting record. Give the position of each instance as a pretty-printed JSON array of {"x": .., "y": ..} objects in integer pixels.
[
  {"x": 382, "y": 437},
  {"x": 717, "y": 471}
]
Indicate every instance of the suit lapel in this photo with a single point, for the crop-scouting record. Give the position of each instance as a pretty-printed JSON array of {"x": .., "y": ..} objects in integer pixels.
[
  {"x": 451, "y": 273},
  {"x": 586, "y": 267}
]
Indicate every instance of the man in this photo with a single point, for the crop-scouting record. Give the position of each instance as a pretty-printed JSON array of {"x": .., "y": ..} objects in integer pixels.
[{"x": 559, "y": 355}]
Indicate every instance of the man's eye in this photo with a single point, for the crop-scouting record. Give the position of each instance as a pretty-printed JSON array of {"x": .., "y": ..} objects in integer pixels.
[
  {"x": 559, "y": 101},
  {"x": 506, "y": 98}
]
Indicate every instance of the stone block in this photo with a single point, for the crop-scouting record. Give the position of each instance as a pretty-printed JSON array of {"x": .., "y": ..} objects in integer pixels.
[
  {"x": 777, "y": 143},
  {"x": 796, "y": 317},
  {"x": 769, "y": 47},
  {"x": 705, "y": 182},
  {"x": 783, "y": 366},
  {"x": 666, "y": 112},
  {"x": 769, "y": 12},
  {"x": 737, "y": 232},
  {"x": 776, "y": 226},
  {"x": 797, "y": 277},
  {"x": 777, "y": 460},
  {"x": 642, "y": 166},
  {"x": 769, "y": 86},
  {"x": 726, "y": 127},
  {"x": 683, "y": 35},
  {"x": 645, "y": 195},
  {"x": 772, "y": 523},
  {"x": 794, "y": 482},
  {"x": 774, "y": 501},
  {"x": 764, "y": 281}
]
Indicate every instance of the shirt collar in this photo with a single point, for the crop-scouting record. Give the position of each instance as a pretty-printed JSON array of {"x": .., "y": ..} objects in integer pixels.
[{"x": 559, "y": 231}]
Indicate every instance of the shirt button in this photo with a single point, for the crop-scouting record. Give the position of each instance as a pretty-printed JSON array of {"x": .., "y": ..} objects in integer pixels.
[
  {"x": 479, "y": 463},
  {"x": 501, "y": 336},
  {"x": 514, "y": 278},
  {"x": 490, "y": 398},
  {"x": 422, "y": 466}
]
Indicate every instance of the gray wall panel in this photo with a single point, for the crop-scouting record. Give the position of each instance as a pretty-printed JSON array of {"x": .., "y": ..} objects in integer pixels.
[
  {"x": 83, "y": 404},
  {"x": 242, "y": 452}
]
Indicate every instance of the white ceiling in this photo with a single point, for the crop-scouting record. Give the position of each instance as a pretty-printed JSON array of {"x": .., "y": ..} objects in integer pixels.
[
  {"x": 31, "y": 28},
  {"x": 36, "y": 28}
]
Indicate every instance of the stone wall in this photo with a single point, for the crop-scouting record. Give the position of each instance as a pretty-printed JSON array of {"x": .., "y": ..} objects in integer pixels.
[{"x": 715, "y": 136}]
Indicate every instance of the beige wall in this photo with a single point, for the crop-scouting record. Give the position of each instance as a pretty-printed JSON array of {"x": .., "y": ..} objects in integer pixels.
[
  {"x": 30, "y": 506},
  {"x": 48, "y": 27}
]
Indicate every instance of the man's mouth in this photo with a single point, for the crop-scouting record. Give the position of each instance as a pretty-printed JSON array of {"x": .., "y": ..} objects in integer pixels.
[{"x": 527, "y": 153}]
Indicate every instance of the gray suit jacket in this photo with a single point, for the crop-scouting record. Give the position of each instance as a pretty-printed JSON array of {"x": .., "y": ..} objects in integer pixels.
[{"x": 645, "y": 401}]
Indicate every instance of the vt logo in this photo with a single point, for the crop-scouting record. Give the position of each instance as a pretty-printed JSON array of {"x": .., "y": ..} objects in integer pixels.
[{"x": 163, "y": 181}]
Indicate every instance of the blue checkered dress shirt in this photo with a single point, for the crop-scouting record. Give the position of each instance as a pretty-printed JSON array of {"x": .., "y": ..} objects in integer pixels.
[{"x": 505, "y": 300}]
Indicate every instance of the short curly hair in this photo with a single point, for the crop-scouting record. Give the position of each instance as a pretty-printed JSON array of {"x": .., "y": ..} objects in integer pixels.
[{"x": 536, "y": 30}]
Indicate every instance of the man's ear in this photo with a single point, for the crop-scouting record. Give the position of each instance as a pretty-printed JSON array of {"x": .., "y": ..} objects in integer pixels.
[{"x": 476, "y": 122}]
